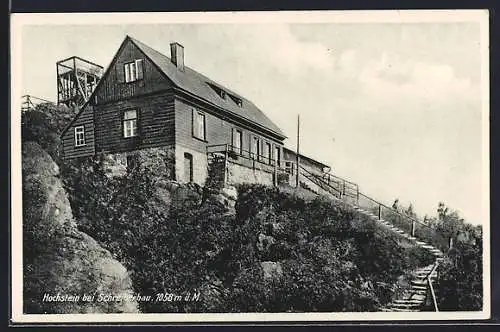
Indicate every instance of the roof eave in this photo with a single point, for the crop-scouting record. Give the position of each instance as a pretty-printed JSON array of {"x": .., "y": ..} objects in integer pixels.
[{"x": 280, "y": 136}]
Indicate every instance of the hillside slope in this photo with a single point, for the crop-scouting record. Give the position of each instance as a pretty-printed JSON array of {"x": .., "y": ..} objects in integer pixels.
[{"x": 59, "y": 260}]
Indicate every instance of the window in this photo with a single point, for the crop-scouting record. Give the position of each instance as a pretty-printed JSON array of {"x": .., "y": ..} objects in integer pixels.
[
  {"x": 218, "y": 90},
  {"x": 130, "y": 123},
  {"x": 277, "y": 155},
  {"x": 255, "y": 147},
  {"x": 237, "y": 141},
  {"x": 237, "y": 100},
  {"x": 79, "y": 136},
  {"x": 289, "y": 167},
  {"x": 268, "y": 152},
  {"x": 198, "y": 125},
  {"x": 133, "y": 71}
]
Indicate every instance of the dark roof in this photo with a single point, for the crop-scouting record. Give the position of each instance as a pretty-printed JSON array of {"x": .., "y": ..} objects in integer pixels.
[{"x": 199, "y": 85}]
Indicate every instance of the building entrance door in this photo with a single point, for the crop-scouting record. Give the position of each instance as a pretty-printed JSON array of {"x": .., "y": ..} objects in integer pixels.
[{"x": 188, "y": 167}]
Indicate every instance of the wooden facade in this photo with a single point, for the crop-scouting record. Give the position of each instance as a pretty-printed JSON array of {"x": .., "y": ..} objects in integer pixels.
[
  {"x": 165, "y": 98},
  {"x": 219, "y": 130},
  {"x": 85, "y": 119},
  {"x": 114, "y": 87}
]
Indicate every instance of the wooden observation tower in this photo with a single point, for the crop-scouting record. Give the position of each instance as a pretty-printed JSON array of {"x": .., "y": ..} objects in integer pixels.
[{"x": 76, "y": 80}]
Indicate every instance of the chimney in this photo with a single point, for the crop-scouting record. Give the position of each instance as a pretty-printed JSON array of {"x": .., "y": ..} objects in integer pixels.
[{"x": 177, "y": 55}]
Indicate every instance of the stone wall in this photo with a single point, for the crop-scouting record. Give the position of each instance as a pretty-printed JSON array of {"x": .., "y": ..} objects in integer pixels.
[
  {"x": 115, "y": 164},
  {"x": 238, "y": 174},
  {"x": 161, "y": 160}
]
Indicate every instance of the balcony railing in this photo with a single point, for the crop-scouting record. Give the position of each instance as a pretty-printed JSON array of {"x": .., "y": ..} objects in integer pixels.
[{"x": 235, "y": 154}]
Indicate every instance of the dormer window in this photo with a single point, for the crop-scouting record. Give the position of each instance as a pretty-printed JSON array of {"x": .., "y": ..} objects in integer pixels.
[
  {"x": 237, "y": 100},
  {"x": 218, "y": 90}
]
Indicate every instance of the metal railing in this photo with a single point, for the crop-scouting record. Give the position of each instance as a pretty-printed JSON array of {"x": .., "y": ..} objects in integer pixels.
[
  {"x": 322, "y": 184},
  {"x": 29, "y": 102},
  {"x": 431, "y": 287},
  {"x": 407, "y": 223},
  {"x": 255, "y": 160},
  {"x": 235, "y": 153},
  {"x": 340, "y": 188}
]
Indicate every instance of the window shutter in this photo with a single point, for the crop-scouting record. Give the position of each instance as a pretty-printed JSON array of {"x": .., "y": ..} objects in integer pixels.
[
  {"x": 139, "y": 68},
  {"x": 120, "y": 72}
]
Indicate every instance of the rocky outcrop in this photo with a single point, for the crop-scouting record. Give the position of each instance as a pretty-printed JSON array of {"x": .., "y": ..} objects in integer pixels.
[
  {"x": 65, "y": 270},
  {"x": 272, "y": 270}
]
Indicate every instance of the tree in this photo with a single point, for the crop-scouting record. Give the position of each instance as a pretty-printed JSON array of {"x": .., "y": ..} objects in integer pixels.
[{"x": 460, "y": 285}]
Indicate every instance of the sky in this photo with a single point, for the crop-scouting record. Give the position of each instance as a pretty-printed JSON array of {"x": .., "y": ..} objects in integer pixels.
[{"x": 394, "y": 107}]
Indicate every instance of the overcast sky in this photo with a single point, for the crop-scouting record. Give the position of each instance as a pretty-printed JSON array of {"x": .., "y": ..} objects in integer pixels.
[{"x": 394, "y": 107}]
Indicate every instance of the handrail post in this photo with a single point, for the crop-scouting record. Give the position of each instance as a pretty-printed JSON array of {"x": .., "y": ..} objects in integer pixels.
[
  {"x": 343, "y": 189},
  {"x": 225, "y": 163},
  {"x": 275, "y": 175},
  {"x": 413, "y": 228},
  {"x": 379, "y": 212}
]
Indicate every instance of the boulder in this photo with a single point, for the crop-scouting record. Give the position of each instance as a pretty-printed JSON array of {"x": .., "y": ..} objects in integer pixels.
[
  {"x": 264, "y": 242},
  {"x": 272, "y": 270},
  {"x": 65, "y": 270}
]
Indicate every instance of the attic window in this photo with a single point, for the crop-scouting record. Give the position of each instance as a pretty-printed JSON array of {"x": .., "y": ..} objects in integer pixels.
[
  {"x": 133, "y": 70},
  {"x": 218, "y": 90},
  {"x": 237, "y": 100}
]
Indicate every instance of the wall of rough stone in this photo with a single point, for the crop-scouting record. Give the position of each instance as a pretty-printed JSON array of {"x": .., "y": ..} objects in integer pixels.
[
  {"x": 115, "y": 164},
  {"x": 238, "y": 174},
  {"x": 161, "y": 160}
]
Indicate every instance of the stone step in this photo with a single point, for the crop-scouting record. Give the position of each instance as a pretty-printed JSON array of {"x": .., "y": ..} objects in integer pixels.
[
  {"x": 406, "y": 305},
  {"x": 425, "y": 269},
  {"x": 417, "y": 297},
  {"x": 418, "y": 283},
  {"x": 402, "y": 310},
  {"x": 409, "y": 301},
  {"x": 415, "y": 288}
]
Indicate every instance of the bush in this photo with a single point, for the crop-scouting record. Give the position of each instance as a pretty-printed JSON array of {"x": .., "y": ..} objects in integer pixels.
[
  {"x": 44, "y": 124},
  {"x": 461, "y": 275}
]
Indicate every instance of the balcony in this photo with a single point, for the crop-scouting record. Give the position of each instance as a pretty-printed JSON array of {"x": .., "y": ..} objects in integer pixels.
[{"x": 228, "y": 160}]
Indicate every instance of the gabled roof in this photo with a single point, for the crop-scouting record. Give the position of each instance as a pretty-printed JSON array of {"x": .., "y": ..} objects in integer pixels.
[{"x": 199, "y": 85}]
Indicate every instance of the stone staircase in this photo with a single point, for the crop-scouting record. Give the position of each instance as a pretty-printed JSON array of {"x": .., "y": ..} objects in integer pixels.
[{"x": 417, "y": 296}]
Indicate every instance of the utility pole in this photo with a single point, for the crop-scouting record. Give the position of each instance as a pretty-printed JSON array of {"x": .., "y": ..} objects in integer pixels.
[{"x": 298, "y": 144}]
